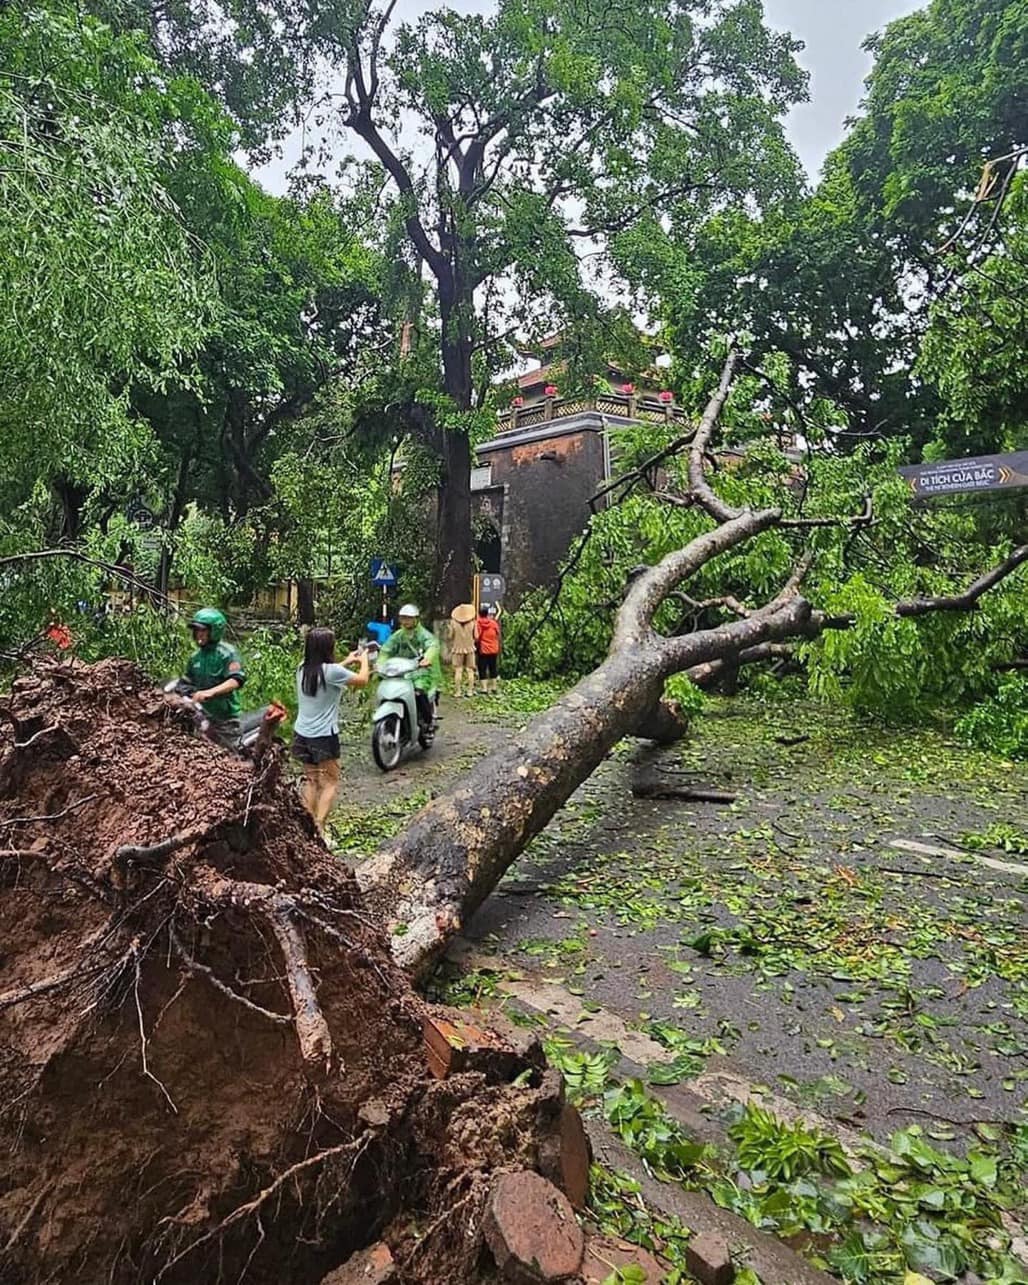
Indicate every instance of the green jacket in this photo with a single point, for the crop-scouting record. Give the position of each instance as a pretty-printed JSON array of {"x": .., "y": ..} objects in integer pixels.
[
  {"x": 211, "y": 665},
  {"x": 410, "y": 644}
]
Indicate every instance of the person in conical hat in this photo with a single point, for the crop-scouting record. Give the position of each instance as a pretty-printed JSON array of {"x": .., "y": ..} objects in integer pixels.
[{"x": 462, "y": 648}]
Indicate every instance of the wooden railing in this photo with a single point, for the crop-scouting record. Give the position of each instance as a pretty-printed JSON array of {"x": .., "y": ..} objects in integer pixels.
[{"x": 624, "y": 405}]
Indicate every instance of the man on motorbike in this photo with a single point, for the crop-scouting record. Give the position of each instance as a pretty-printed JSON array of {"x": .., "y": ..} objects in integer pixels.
[
  {"x": 216, "y": 671},
  {"x": 412, "y": 641}
]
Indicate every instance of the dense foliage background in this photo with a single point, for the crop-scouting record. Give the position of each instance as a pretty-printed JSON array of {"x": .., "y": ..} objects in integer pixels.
[{"x": 206, "y": 386}]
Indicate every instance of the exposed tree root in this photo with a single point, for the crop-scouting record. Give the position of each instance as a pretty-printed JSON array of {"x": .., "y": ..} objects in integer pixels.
[
  {"x": 201, "y": 970},
  {"x": 184, "y": 974},
  {"x": 252, "y": 1207}
]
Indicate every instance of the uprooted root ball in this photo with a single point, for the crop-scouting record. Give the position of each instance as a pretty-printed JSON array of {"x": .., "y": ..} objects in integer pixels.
[{"x": 210, "y": 1068}]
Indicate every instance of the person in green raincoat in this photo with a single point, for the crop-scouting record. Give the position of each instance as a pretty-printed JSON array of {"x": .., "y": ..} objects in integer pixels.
[
  {"x": 215, "y": 670},
  {"x": 412, "y": 641}
]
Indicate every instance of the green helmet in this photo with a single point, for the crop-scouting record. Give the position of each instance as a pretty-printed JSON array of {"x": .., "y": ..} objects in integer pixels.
[{"x": 210, "y": 618}]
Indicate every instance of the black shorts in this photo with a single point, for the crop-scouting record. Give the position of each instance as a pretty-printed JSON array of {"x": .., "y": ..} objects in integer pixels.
[
  {"x": 487, "y": 666},
  {"x": 315, "y": 749}
]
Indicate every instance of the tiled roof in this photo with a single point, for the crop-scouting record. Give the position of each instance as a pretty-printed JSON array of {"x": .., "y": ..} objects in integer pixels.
[{"x": 541, "y": 375}]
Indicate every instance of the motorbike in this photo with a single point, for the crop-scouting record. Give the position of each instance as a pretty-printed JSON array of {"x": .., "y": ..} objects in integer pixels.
[
  {"x": 395, "y": 719},
  {"x": 250, "y": 723}
]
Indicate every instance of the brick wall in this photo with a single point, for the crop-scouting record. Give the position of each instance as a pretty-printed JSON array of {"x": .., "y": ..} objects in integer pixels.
[{"x": 547, "y": 482}]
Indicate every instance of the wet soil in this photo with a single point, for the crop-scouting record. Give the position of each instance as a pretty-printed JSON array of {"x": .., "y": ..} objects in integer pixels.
[{"x": 210, "y": 1068}]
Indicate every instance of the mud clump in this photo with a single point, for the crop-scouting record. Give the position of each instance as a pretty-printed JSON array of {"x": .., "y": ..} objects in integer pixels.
[{"x": 210, "y": 1067}]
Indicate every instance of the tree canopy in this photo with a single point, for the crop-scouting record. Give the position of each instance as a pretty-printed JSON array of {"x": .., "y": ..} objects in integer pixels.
[
  {"x": 246, "y": 367},
  {"x": 103, "y": 284}
]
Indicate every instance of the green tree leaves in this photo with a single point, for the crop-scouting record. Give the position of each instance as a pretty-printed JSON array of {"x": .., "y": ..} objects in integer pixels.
[{"x": 101, "y": 284}]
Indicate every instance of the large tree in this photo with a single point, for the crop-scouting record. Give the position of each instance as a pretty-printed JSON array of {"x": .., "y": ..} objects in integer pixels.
[
  {"x": 842, "y": 283},
  {"x": 540, "y": 127},
  {"x": 102, "y": 285},
  {"x": 514, "y": 141},
  {"x": 439, "y": 869}
]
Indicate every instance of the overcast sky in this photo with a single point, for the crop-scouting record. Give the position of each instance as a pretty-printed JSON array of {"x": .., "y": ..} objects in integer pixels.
[{"x": 833, "y": 31}]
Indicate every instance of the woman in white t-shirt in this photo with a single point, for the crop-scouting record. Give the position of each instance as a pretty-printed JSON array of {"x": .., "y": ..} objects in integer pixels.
[{"x": 319, "y": 687}]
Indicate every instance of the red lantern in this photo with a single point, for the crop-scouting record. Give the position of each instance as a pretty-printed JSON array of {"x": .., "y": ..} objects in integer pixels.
[
  {"x": 550, "y": 390},
  {"x": 517, "y": 401},
  {"x": 665, "y": 395},
  {"x": 629, "y": 389}
]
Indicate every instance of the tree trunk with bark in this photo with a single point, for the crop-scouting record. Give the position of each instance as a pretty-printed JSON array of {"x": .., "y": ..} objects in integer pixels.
[
  {"x": 454, "y": 852},
  {"x": 305, "y": 601},
  {"x": 71, "y": 498},
  {"x": 453, "y": 569},
  {"x": 452, "y": 574},
  {"x": 441, "y": 868},
  {"x": 176, "y": 509}
]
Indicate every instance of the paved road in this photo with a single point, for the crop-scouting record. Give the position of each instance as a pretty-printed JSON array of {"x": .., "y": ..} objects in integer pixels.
[{"x": 881, "y": 985}]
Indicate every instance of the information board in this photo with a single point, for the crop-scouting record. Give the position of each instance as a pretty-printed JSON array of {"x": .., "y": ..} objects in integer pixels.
[{"x": 979, "y": 473}]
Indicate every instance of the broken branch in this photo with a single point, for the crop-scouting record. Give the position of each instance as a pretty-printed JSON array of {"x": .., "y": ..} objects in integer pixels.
[
  {"x": 967, "y": 600},
  {"x": 111, "y": 569},
  {"x": 687, "y": 793},
  {"x": 699, "y": 487},
  {"x": 279, "y": 909}
]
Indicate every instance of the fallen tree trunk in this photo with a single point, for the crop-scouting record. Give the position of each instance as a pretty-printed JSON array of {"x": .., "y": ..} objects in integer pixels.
[
  {"x": 428, "y": 880},
  {"x": 455, "y": 850},
  {"x": 440, "y": 869}
]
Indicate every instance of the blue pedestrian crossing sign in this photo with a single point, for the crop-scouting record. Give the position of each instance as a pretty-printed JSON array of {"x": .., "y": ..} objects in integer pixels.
[{"x": 382, "y": 574}]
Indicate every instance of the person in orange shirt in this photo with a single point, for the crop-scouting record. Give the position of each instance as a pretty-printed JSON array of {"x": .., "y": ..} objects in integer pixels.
[{"x": 487, "y": 648}]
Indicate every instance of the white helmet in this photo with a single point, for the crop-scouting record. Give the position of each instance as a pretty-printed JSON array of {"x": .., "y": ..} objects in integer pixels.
[{"x": 408, "y": 609}]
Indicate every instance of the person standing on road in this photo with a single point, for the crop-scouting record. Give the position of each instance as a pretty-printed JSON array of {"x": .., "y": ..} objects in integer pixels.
[
  {"x": 216, "y": 672},
  {"x": 319, "y": 689},
  {"x": 462, "y": 648},
  {"x": 487, "y": 644}
]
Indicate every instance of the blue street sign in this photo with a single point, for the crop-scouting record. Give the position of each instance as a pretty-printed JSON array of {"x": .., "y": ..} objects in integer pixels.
[{"x": 382, "y": 574}]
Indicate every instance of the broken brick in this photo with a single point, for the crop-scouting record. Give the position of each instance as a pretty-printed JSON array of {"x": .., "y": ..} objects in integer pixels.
[
  {"x": 532, "y": 1230},
  {"x": 707, "y": 1257},
  {"x": 455, "y": 1044},
  {"x": 450, "y": 1044},
  {"x": 565, "y": 1157}
]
